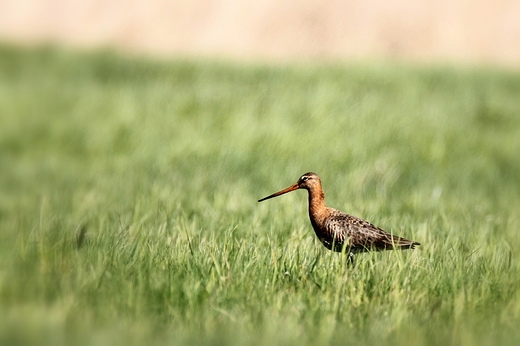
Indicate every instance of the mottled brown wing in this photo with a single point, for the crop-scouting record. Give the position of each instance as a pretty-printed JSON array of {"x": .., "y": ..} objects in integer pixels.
[{"x": 362, "y": 235}]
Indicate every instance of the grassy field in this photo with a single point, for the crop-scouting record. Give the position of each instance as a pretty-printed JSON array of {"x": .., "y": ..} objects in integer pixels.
[{"x": 129, "y": 214}]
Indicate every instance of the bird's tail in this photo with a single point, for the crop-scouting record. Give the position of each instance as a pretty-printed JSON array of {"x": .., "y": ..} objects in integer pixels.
[{"x": 402, "y": 243}]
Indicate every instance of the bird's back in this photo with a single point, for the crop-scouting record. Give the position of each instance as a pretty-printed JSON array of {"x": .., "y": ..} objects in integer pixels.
[{"x": 359, "y": 235}]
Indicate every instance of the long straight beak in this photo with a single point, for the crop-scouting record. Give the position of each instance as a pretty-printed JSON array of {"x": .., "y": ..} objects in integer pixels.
[{"x": 289, "y": 189}]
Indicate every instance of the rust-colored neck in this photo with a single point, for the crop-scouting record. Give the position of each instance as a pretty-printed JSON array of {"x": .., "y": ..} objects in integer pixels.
[{"x": 317, "y": 208}]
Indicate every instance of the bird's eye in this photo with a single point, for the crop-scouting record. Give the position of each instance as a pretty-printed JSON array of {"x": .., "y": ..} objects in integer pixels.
[{"x": 304, "y": 178}]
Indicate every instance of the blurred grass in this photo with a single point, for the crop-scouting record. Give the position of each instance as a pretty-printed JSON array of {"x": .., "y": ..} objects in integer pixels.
[{"x": 128, "y": 209}]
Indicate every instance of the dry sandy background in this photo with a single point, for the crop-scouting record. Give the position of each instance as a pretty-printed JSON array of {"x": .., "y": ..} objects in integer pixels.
[{"x": 467, "y": 31}]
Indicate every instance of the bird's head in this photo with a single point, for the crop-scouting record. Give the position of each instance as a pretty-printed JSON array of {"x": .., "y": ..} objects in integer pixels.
[{"x": 308, "y": 181}]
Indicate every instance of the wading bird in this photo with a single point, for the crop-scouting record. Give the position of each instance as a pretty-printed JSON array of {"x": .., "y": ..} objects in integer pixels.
[{"x": 339, "y": 231}]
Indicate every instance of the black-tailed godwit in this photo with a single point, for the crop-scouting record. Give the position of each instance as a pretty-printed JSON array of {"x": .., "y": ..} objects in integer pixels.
[{"x": 339, "y": 231}]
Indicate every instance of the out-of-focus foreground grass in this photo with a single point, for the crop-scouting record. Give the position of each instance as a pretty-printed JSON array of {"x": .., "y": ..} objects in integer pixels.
[{"x": 128, "y": 208}]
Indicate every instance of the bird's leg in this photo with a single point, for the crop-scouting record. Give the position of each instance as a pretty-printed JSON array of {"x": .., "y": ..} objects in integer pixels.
[{"x": 351, "y": 258}]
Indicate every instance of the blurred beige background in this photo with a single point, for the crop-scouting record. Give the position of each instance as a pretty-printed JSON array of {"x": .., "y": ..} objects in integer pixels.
[{"x": 467, "y": 31}]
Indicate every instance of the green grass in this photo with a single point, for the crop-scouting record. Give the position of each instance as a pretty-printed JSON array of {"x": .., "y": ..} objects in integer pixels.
[{"x": 128, "y": 210}]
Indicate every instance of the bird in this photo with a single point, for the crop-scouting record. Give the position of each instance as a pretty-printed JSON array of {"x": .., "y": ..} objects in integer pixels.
[{"x": 339, "y": 231}]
